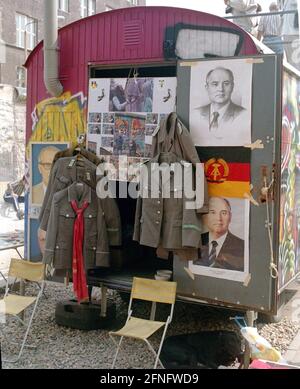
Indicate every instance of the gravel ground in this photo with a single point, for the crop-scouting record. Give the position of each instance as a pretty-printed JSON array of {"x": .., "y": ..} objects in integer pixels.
[{"x": 64, "y": 348}]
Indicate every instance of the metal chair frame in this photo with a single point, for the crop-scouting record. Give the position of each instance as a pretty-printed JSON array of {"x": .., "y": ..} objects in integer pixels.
[
  {"x": 154, "y": 300},
  {"x": 41, "y": 284}
]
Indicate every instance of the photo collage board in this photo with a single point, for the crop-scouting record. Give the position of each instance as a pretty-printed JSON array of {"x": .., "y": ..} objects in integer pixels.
[{"x": 123, "y": 114}]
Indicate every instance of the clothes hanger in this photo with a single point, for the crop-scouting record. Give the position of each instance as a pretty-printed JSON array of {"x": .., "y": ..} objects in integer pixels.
[
  {"x": 135, "y": 75},
  {"x": 80, "y": 145}
]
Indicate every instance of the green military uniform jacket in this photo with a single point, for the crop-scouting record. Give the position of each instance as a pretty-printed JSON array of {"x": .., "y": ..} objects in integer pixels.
[
  {"x": 165, "y": 222},
  {"x": 102, "y": 228},
  {"x": 173, "y": 136},
  {"x": 63, "y": 173}
]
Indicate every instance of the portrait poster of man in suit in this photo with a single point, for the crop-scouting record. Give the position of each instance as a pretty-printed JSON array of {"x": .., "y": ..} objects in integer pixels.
[
  {"x": 42, "y": 155},
  {"x": 224, "y": 252},
  {"x": 220, "y": 103}
]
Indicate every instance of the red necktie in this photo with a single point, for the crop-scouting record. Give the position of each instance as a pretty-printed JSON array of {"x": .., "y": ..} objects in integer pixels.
[{"x": 79, "y": 277}]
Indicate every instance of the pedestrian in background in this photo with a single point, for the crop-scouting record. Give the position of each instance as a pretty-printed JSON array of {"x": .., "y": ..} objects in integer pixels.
[
  {"x": 243, "y": 8},
  {"x": 269, "y": 28}
]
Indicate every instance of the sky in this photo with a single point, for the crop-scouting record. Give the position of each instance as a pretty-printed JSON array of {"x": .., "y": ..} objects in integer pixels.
[{"x": 216, "y": 7}]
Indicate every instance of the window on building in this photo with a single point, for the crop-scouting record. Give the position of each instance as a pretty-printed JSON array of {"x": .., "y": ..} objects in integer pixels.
[
  {"x": 63, "y": 5},
  {"x": 21, "y": 76},
  {"x": 26, "y": 24},
  {"x": 88, "y": 8}
]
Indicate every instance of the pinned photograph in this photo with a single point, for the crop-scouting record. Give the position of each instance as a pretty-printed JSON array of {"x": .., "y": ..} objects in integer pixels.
[
  {"x": 108, "y": 117},
  {"x": 94, "y": 129},
  {"x": 120, "y": 144},
  {"x": 131, "y": 95},
  {"x": 95, "y": 117},
  {"x": 152, "y": 118},
  {"x": 137, "y": 126},
  {"x": 99, "y": 95},
  {"x": 122, "y": 125},
  {"x": 164, "y": 96},
  {"x": 107, "y": 141},
  {"x": 220, "y": 103},
  {"x": 42, "y": 155},
  {"x": 224, "y": 250},
  {"x": 149, "y": 130},
  {"x": 108, "y": 129}
]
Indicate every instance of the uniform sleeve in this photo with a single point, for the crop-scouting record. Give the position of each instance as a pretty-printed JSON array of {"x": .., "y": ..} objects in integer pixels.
[
  {"x": 190, "y": 154},
  {"x": 138, "y": 208},
  {"x": 137, "y": 220},
  {"x": 112, "y": 221},
  {"x": 191, "y": 227},
  {"x": 154, "y": 146},
  {"x": 102, "y": 251},
  {"x": 51, "y": 234}
]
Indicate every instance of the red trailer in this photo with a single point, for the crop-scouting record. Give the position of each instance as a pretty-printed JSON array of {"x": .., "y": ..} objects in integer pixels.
[{"x": 163, "y": 42}]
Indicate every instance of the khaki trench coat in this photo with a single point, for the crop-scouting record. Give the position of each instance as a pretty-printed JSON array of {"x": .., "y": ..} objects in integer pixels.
[{"x": 102, "y": 227}]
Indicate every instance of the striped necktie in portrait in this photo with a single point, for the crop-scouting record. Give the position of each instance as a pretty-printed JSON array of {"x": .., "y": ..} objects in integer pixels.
[
  {"x": 214, "y": 123},
  {"x": 213, "y": 253}
]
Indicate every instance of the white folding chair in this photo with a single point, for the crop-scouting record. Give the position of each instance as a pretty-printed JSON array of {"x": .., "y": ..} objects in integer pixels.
[
  {"x": 14, "y": 305},
  {"x": 141, "y": 329}
]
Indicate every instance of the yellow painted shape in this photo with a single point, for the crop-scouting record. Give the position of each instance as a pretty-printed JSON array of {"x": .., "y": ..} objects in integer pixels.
[
  {"x": 229, "y": 189},
  {"x": 60, "y": 119}
]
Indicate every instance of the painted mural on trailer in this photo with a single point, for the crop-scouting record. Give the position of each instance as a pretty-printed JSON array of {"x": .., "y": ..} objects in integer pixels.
[
  {"x": 289, "y": 232},
  {"x": 59, "y": 119}
]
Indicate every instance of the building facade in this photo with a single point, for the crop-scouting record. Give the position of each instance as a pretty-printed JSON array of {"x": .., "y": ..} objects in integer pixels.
[
  {"x": 25, "y": 17},
  {"x": 21, "y": 28}
]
